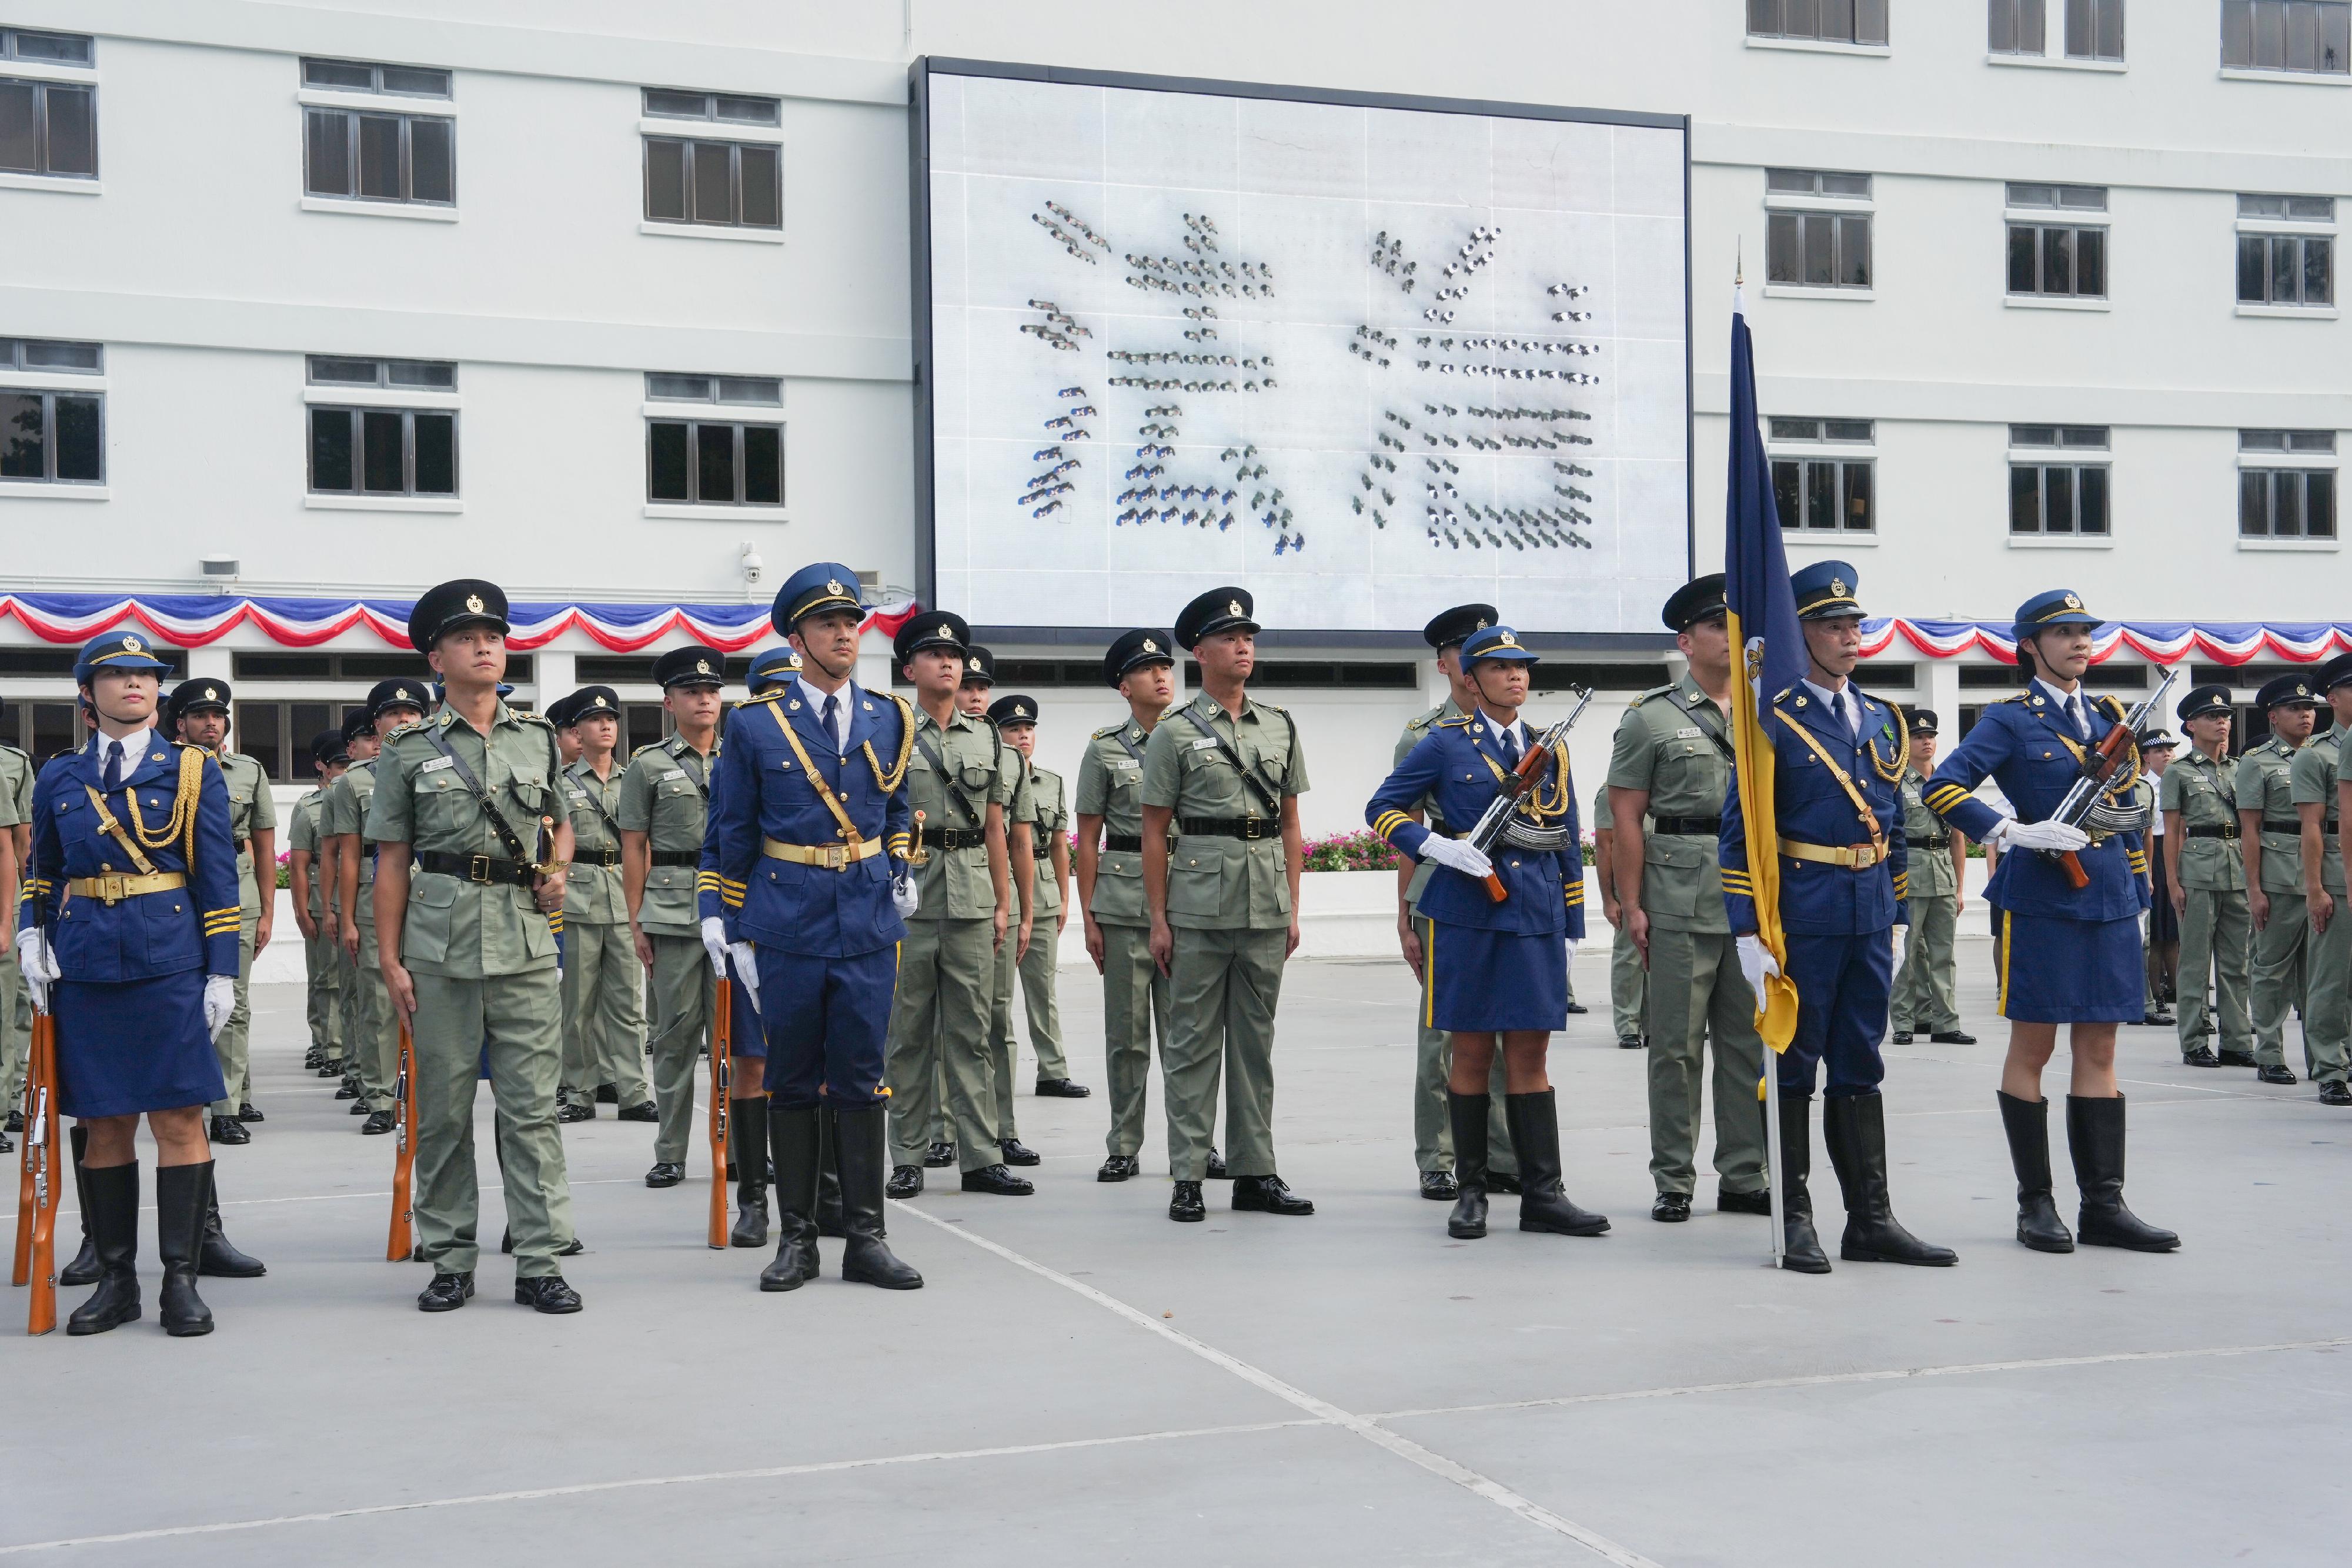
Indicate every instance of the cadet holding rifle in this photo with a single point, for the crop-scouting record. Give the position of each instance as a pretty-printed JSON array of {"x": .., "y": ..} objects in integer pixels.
[
  {"x": 2271, "y": 839},
  {"x": 371, "y": 1029}
]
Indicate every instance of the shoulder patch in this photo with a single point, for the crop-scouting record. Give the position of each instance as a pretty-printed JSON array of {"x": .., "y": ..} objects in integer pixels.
[
  {"x": 540, "y": 719},
  {"x": 400, "y": 730},
  {"x": 1107, "y": 731},
  {"x": 764, "y": 697},
  {"x": 1459, "y": 721},
  {"x": 649, "y": 746},
  {"x": 1655, "y": 691}
]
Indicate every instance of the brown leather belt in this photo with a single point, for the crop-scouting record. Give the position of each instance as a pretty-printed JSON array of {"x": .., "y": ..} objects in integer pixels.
[
  {"x": 1860, "y": 857},
  {"x": 833, "y": 857}
]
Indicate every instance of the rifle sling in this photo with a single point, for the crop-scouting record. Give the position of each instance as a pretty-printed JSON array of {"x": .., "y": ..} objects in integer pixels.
[
  {"x": 498, "y": 823},
  {"x": 1264, "y": 791}
]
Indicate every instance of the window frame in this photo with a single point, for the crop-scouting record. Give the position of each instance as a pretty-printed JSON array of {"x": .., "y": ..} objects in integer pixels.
[
  {"x": 2307, "y": 460},
  {"x": 407, "y": 415},
  {"x": 1787, "y": 445},
  {"x": 352, "y": 115},
  {"x": 48, "y": 396},
  {"x": 1861, "y": 12},
  {"x": 2230, "y": 10},
  {"x": 730, "y": 416},
  {"x": 690, "y": 154},
  {"x": 1801, "y": 210},
  {"x": 2016, "y": 10},
  {"x": 2075, "y": 458},
  {"x": 2091, "y": 10},
  {"x": 48, "y": 77}
]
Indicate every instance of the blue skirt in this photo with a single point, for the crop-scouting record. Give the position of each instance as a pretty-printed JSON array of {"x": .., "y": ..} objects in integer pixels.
[
  {"x": 2055, "y": 970},
  {"x": 747, "y": 1040},
  {"x": 140, "y": 1045},
  {"x": 1482, "y": 982}
]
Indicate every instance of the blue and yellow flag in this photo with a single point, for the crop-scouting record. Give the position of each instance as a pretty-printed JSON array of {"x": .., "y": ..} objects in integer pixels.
[{"x": 1768, "y": 648}]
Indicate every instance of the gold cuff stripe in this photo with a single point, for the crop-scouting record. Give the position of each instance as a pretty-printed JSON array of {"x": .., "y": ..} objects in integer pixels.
[{"x": 1388, "y": 822}]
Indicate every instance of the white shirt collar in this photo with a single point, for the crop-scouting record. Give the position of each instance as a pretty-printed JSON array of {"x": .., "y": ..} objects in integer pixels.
[
  {"x": 1839, "y": 701},
  {"x": 1517, "y": 727},
  {"x": 134, "y": 746},
  {"x": 2065, "y": 701}
]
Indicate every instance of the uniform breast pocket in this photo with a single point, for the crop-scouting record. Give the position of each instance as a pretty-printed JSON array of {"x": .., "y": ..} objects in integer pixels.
[
  {"x": 1673, "y": 871},
  {"x": 172, "y": 942},
  {"x": 531, "y": 794},
  {"x": 975, "y": 776},
  {"x": 432, "y": 912},
  {"x": 1196, "y": 881},
  {"x": 443, "y": 808}
]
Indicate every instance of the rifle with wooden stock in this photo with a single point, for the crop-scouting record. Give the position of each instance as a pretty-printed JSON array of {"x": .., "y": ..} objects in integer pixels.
[
  {"x": 37, "y": 1191},
  {"x": 1517, "y": 786},
  {"x": 722, "y": 1088},
  {"x": 401, "y": 1243},
  {"x": 2101, "y": 763}
]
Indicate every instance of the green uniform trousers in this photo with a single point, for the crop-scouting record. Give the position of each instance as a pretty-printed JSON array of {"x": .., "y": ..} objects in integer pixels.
[
  {"x": 1223, "y": 989},
  {"x": 234, "y": 1046},
  {"x": 517, "y": 1019},
  {"x": 938, "y": 1042},
  {"x": 372, "y": 1028},
  {"x": 2327, "y": 1006},
  {"x": 1627, "y": 983},
  {"x": 1135, "y": 1004},
  {"x": 604, "y": 1013},
  {"x": 684, "y": 992},
  {"x": 1043, "y": 1010},
  {"x": 322, "y": 966},
  {"x": 1432, "y": 1064},
  {"x": 2276, "y": 977},
  {"x": 16, "y": 1029},
  {"x": 2215, "y": 931},
  {"x": 1924, "y": 994},
  {"x": 1696, "y": 990}
]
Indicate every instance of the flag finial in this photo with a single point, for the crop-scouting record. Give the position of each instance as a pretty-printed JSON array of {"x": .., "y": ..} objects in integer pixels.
[{"x": 1740, "y": 263}]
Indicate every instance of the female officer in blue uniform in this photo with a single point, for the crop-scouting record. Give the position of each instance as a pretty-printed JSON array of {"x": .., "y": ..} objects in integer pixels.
[
  {"x": 1495, "y": 969},
  {"x": 2067, "y": 956},
  {"x": 127, "y": 930}
]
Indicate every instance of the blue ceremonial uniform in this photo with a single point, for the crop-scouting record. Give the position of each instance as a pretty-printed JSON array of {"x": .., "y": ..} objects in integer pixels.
[
  {"x": 1491, "y": 965},
  {"x": 130, "y": 1006},
  {"x": 1842, "y": 879}
]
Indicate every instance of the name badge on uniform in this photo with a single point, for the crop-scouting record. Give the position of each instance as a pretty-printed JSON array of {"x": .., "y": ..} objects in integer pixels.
[
  {"x": 1204, "y": 744},
  {"x": 437, "y": 764},
  {"x": 1687, "y": 732}
]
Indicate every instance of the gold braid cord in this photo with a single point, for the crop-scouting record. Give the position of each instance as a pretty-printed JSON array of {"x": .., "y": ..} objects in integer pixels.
[
  {"x": 1892, "y": 771},
  {"x": 890, "y": 781},
  {"x": 1538, "y": 805},
  {"x": 183, "y": 821}
]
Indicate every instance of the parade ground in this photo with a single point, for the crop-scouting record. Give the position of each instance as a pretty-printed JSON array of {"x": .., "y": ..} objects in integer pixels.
[{"x": 1082, "y": 1381}]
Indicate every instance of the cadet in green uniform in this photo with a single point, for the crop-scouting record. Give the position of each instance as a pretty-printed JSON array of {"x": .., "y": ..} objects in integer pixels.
[
  {"x": 603, "y": 1007},
  {"x": 1048, "y": 820},
  {"x": 371, "y": 1028},
  {"x": 1626, "y": 975},
  {"x": 16, "y": 1025},
  {"x": 323, "y": 994},
  {"x": 1935, "y": 897},
  {"x": 1432, "y": 1056},
  {"x": 2207, "y": 879},
  {"x": 664, "y": 796},
  {"x": 200, "y": 709},
  {"x": 467, "y": 949},
  {"x": 2270, "y": 838},
  {"x": 960, "y": 783},
  {"x": 1671, "y": 766},
  {"x": 1226, "y": 773},
  {"x": 972, "y": 701},
  {"x": 2314, "y": 781}
]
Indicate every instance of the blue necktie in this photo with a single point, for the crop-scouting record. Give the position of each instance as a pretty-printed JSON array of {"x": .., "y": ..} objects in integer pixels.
[
  {"x": 1511, "y": 747},
  {"x": 831, "y": 715},
  {"x": 113, "y": 766}
]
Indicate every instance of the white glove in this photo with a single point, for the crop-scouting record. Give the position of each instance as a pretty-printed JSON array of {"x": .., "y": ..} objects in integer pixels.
[
  {"x": 714, "y": 942},
  {"x": 1460, "y": 854},
  {"x": 747, "y": 970},
  {"x": 2013, "y": 834},
  {"x": 905, "y": 898},
  {"x": 1756, "y": 963},
  {"x": 1571, "y": 950},
  {"x": 220, "y": 1000},
  {"x": 39, "y": 963}
]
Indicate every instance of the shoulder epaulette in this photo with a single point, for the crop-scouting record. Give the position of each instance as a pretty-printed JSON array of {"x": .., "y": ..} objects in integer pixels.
[
  {"x": 1276, "y": 707},
  {"x": 1458, "y": 722},
  {"x": 640, "y": 751},
  {"x": 763, "y": 697},
  {"x": 1667, "y": 691},
  {"x": 2013, "y": 697},
  {"x": 540, "y": 719},
  {"x": 398, "y": 731},
  {"x": 1783, "y": 692},
  {"x": 1108, "y": 730},
  {"x": 2114, "y": 706}
]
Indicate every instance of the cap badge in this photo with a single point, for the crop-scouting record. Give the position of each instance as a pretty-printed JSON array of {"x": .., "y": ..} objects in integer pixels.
[
  {"x": 211, "y": 695},
  {"x": 1480, "y": 627},
  {"x": 1020, "y": 712},
  {"x": 1234, "y": 607},
  {"x": 400, "y": 694},
  {"x": 2301, "y": 690},
  {"x": 975, "y": 663},
  {"x": 1837, "y": 586},
  {"x": 474, "y": 602},
  {"x": 831, "y": 586},
  {"x": 2072, "y": 603},
  {"x": 1504, "y": 638},
  {"x": 1150, "y": 646},
  {"x": 702, "y": 667},
  {"x": 133, "y": 646},
  {"x": 945, "y": 631}
]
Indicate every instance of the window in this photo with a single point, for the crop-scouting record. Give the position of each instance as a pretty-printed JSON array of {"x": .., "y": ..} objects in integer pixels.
[
  {"x": 2292, "y": 267},
  {"x": 2066, "y": 493},
  {"x": 2094, "y": 29},
  {"x": 761, "y": 391},
  {"x": 715, "y": 462},
  {"x": 1824, "y": 248},
  {"x": 1830, "y": 493},
  {"x": 48, "y": 128},
  {"x": 2017, "y": 28},
  {"x": 2286, "y": 484},
  {"x": 381, "y": 451},
  {"x": 709, "y": 180},
  {"x": 2058, "y": 259},
  {"x": 428, "y": 375},
  {"x": 2312, "y": 36},
  {"x": 51, "y": 436},
  {"x": 1829, "y": 21},
  {"x": 393, "y": 155}
]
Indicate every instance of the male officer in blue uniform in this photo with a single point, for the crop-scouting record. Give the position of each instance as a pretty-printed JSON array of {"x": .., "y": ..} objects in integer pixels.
[
  {"x": 1838, "y": 755},
  {"x": 804, "y": 885}
]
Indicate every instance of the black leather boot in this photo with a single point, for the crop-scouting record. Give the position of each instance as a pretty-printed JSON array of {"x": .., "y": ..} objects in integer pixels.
[
  {"x": 2095, "y": 1136},
  {"x": 218, "y": 1256},
  {"x": 1854, "y": 1128},
  {"x": 181, "y": 1193},
  {"x": 793, "y": 1136},
  {"x": 1800, "y": 1246},
  {"x": 83, "y": 1270},
  {"x": 111, "y": 1204},
  {"x": 1534, "y": 1123},
  {"x": 1468, "y": 1114},
  {"x": 2027, "y": 1122},
  {"x": 863, "y": 1140},
  {"x": 747, "y": 1151},
  {"x": 828, "y": 1180}
]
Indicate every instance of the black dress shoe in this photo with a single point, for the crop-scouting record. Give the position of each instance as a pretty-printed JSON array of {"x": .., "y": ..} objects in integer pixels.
[
  {"x": 1953, "y": 1037},
  {"x": 1216, "y": 1166},
  {"x": 1503, "y": 1181},
  {"x": 1439, "y": 1187},
  {"x": 940, "y": 1155},
  {"x": 331, "y": 1069},
  {"x": 1900, "y": 1037},
  {"x": 229, "y": 1130},
  {"x": 247, "y": 1112},
  {"x": 359, "y": 1107},
  {"x": 1017, "y": 1153},
  {"x": 378, "y": 1123},
  {"x": 1118, "y": 1168},
  {"x": 2335, "y": 1092},
  {"x": 2200, "y": 1057},
  {"x": 2277, "y": 1072},
  {"x": 607, "y": 1094},
  {"x": 1631, "y": 1042},
  {"x": 997, "y": 1182},
  {"x": 906, "y": 1181},
  {"x": 1756, "y": 1202},
  {"x": 575, "y": 1112},
  {"x": 446, "y": 1293},
  {"x": 16, "y": 1123},
  {"x": 2236, "y": 1059},
  {"x": 1574, "y": 1008},
  {"x": 1061, "y": 1088},
  {"x": 1268, "y": 1195},
  {"x": 548, "y": 1293},
  {"x": 7, "y": 1146},
  {"x": 666, "y": 1173},
  {"x": 345, "y": 1091},
  {"x": 1671, "y": 1208},
  {"x": 1184, "y": 1205},
  {"x": 2159, "y": 1019},
  {"x": 648, "y": 1112}
]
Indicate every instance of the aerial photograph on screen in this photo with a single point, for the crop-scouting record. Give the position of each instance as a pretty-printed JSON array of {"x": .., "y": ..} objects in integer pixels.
[{"x": 1370, "y": 361}]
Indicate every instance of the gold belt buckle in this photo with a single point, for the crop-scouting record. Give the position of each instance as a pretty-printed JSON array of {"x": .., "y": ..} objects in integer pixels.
[
  {"x": 110, "y": 889},
  {"x": 477, "y": 869},
  {"x": 1866, "y": 856},
  {"x": 1253, "y": 829},
  {"x": 837, "y": 857}
]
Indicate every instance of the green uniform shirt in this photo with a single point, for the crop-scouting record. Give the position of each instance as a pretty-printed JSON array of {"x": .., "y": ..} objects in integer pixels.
[
  {"x": 345, "y": 810},
  {"x": 593, "y": 893},
  {"x": 665, "y": 794},
  {"x": 302, "y": 836},
  {"x": 1041, "y": 807},
  {"x": 2264, "y": 785},
  {"x": 2313, "y": 782},
  {"x": 981, "y": 770},
  {"x": 1217, "y": 883},
  {"x": 1415, "y": 729},
  {"x": 2204, "y": 793},
  {"x": 1666, "y": 745},
  {"x": 1930, "y": 870},
  {"x": 250, "y": 810},
  {"x": 456, "y": 928},
  {"x": 15, "y": 788},
  {"x": 1110, "y": 786}
]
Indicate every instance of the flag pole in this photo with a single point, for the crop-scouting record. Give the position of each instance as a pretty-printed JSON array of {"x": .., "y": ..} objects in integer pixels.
[{"x": 1772, "y": 1155}]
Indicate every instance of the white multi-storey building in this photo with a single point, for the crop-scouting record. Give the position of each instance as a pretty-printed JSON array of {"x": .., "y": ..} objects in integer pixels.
[{"x": 309, "y": 301}]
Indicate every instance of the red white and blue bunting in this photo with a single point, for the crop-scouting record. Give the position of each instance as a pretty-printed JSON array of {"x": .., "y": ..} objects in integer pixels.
[{"x": 2158, "y": 642}]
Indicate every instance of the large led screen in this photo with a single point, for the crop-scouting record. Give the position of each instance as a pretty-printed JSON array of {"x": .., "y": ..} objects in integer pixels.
[{"x": 1367, "y": 359}]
